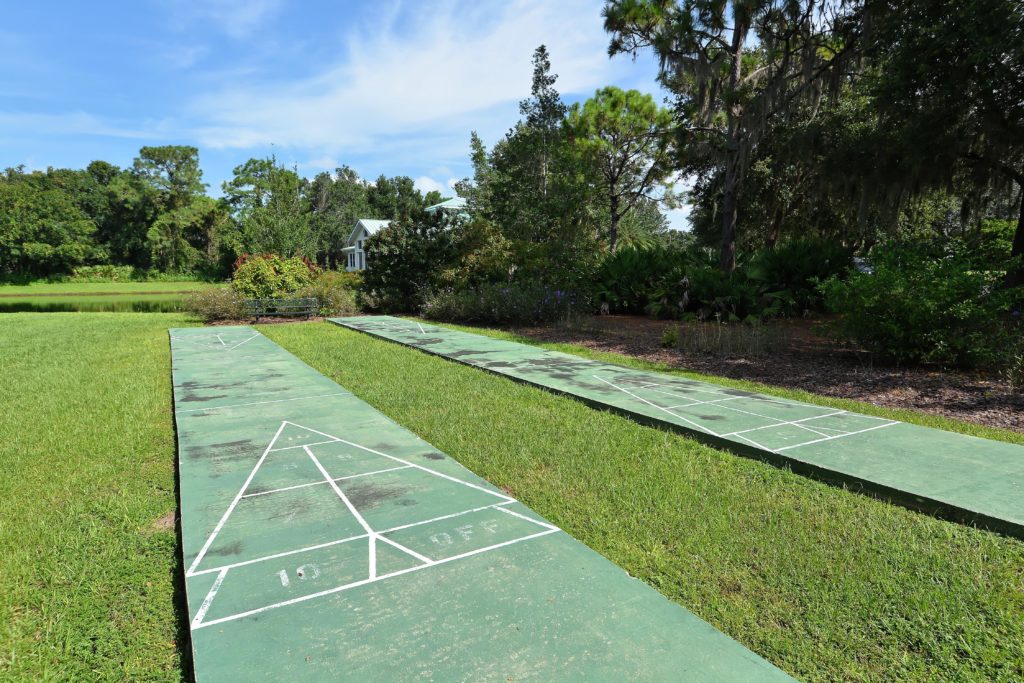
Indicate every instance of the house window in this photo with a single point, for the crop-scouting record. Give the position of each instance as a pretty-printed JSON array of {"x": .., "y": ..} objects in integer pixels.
[
  {"x": 361, "y": 266},
  {"x": 350, "y": 261},
  {"x": 360, "y": 243}
]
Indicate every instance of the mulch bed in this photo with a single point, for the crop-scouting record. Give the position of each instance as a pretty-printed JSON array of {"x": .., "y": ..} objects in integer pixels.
[{"x": 813, "y": 363}]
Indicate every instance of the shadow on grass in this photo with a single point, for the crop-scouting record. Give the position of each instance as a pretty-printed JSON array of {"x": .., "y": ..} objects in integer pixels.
[{"x": 182, "y": 631}]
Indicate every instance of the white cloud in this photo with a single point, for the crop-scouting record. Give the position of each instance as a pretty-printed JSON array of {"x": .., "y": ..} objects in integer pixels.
[
  {"x": 80, "y": 123},
  {"x": 427, "y": 184},
  {"x": 458, "y": 68},
  {"x": 236, "y": 18}
]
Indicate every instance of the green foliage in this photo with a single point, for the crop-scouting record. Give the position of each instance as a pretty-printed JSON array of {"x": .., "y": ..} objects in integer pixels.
[
  {"x": 104, "y": 273},
  {"x": 270, "y": 276},
  {"x": 403, "y": 261},
  {"x": 41, "y": 229},
  {"x": 624, "y": 135},
  {"x": 334, "y": 291},
  {"x": 670, "y": 337},
  {"x": 924, "y": 305},
  {"x": 671, "y": 283},
  {"x": 216, "y": 303},
  {"x": 790, "y": 272},
  {"x": 505, "y": 304},
  {"x": 394, "y": 198}
]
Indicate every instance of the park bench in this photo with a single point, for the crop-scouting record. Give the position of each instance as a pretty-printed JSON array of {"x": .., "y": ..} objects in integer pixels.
[{"x": 259, "y": 308}]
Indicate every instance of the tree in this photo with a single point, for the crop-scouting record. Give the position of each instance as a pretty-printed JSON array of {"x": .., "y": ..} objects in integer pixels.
[
  {"x": 733, "y": 75},
  {"x": 336, "y": 201},
  {"x": 186, "y": 238},
  {"x": 42, "y": 231},
  {"x": 172, "y": 170},
  {"x": 394, "y": 198},
  {"x": 625, "y": 135},
  {"x": 949, "y": 77},
  {"x": 269, "y": 203}
]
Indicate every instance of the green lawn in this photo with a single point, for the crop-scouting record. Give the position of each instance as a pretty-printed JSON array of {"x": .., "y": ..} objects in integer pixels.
[
  {"x": 101, "y": 288},
  {"x": 825, "y": 583}
]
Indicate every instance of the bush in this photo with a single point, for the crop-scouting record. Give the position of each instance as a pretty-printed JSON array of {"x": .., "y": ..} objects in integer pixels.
[
  {"x": 270, "y": 276},
  {"x": 216, "y": 303},
  {"x": 505, "y": 304},
  {"x": 789, "y": 273},
  {"x": 334, "y": 292},
  {"x": 402, "y": 261},
  {"x": 920, "y": 305},
  {"x": 103, "y": 273}
]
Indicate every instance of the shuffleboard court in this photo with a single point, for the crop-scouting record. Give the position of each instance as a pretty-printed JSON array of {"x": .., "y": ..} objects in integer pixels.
[
  {"x": 322, "y": 541},
  {"x": 952, "y": 475}
]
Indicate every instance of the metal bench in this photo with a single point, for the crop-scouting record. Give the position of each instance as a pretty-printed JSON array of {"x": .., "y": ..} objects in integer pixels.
[{"x": 260, "y": 308}]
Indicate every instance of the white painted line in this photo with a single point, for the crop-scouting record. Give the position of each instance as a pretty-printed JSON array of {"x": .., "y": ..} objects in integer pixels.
[
  {"x": 655, "y": 405},
  {"x": 277, "y": 555},
  {"x": 422, "y": 331},
  {"x": 339, "y": 492},
  {"x": 234, "y": 502},
  {"x": 496, "y": 506},
  {"x": 315, "y": 443},
  {"x": 763, "y": 448},
  {"x": 208, "y": 600},
  {"x": 232, "y": 348},
  {"x": 355, "y": 584},
  {"x": 318, "y": 546},
  {"x": 528, "y": 519},
  {"x": 321, "y": 483},
  {"x": 408, "y": 551},
  {"x": 405, "y": 462},
  {"x": 260, "y": 403},
  {"x": 791, "y": 422},
  {"x": 840, "y": 436},
  {"x": 220, "y": 340}
]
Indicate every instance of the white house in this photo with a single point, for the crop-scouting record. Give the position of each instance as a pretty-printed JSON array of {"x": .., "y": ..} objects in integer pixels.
[{"x": 355, "y": 256}]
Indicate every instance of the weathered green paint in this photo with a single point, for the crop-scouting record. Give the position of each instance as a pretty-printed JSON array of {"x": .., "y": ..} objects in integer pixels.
[
  {"x": 951, "y": 475},
  {"x": 467, "y": 584}
]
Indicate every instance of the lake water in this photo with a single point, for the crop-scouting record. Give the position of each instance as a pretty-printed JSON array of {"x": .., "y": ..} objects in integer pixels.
[{"x": 130, "y": 303}]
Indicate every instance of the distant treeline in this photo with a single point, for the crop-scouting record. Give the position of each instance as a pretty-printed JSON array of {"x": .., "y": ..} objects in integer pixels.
[{"x": 156, "y": 215}]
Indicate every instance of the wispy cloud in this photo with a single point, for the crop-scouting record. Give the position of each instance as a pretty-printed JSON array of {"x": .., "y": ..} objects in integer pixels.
[
  {"x": 236, "y": 18},
  {"x": 433, "y": 72},
  {"x": 82, "y": 123}
]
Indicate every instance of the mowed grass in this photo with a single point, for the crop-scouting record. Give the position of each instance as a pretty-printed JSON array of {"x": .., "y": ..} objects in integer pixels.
[
  {"x": 102, "y": 288},
  {"x": 89, "y": 562},
  {"x": 826, "y": 583}
]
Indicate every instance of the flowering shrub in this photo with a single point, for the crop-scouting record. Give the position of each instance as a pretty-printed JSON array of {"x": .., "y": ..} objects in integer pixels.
[
  {"x": 270, "y": 276},
  {"x": 505, "y": 304}
]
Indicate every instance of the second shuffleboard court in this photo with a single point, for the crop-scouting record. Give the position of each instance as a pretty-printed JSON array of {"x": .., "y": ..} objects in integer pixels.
[
  {"x": 322, "y": 541},
  {"x": 953, "y": 475}
]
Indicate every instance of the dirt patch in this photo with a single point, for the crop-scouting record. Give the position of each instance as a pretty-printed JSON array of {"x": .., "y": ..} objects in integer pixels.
[
  {"x": 812, "y": 363},
  {"x": 164, "y": 522}
]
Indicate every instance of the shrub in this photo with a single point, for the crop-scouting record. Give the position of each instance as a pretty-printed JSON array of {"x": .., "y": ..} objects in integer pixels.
[
  {"x": 505, "y": 304},
  {"x": 402, "y": 262},
  {"x": 103, "y": 273},
  {"x": 789, "y": 273},
  {"x": 922, "y": 306},
  {"x": 334, "y": 292},
  {"x": 216, "y": 303},
  {"x": 270, "y": 276}
]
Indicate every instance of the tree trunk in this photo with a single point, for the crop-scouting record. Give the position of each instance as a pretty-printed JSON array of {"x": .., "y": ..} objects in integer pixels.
[
  {"x": 1016, "y": 276},
  {"x": 613, "y": 229},
  {"x": 727, "y": 255},
  {"x": 734, "y": 112}
]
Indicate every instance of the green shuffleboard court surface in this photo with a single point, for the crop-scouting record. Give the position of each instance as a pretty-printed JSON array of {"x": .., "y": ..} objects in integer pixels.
[
  {"x": 954, "y": 475},
  {"x": 322, "y": 541}
]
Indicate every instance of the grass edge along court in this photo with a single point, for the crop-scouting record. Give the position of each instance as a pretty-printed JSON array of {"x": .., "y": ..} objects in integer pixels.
[
  {"x": 952, "y": 475},
  {"x": 383, "y": 530},
  {"x": 824, "y": 583}
]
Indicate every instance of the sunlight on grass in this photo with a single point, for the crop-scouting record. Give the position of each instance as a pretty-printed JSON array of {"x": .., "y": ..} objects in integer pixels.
[{"x": 826, "y": 583}]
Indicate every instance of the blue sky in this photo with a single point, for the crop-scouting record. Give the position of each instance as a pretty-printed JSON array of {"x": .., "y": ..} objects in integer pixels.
[{"x": 384, "y": 87}]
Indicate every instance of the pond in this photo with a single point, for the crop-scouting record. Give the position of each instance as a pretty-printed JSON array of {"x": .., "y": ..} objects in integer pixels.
[{"x": 119, "y": 303}]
